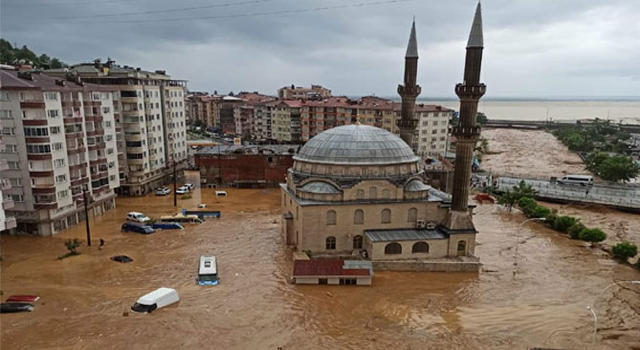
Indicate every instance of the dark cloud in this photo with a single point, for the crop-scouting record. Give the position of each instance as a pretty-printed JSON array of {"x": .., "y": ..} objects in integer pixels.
[{"x": 533, "y": 48}]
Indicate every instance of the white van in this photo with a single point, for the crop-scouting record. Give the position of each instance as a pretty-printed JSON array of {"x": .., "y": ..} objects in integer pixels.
[
  {"x": 221, "y": 193},
  {"x": 583, "y": 180},
  {"x": 157, "y": 299},
  {"x": 208, "y": 271},
  {"x": 137, "y": 217}
]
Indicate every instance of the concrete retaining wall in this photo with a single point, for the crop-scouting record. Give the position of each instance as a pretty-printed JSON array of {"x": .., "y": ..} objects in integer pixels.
[{"x": 427, "y": 266}]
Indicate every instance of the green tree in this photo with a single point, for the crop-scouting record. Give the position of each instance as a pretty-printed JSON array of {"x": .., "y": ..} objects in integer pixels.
[
  {"x": 564, "y": 223},
  {"x": 625, "y": 250},
  {"x": 592, "y": 235},
  {"x": 481, "y": 118},
  {"x": 540, "y": 212},
  {"x": 618, "y": 168},
  {"x": 575, "y": 230},
  {"x": 527, "y": 204}
]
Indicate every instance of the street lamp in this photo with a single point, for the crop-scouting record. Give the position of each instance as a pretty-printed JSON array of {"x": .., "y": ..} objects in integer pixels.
[
  {"x": 594, "y": 310},
  {"x": 515, "y": 261}
]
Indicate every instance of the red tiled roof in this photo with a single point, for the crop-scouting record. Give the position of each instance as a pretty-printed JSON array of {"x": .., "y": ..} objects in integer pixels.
[{"x": 325, "y": 267}]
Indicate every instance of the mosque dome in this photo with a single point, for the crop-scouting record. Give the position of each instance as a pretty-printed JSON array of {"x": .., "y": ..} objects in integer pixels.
[{"x": 356, "y": 145}]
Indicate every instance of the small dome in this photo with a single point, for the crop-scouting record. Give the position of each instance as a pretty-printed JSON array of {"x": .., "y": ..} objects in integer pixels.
[
  {"x": 357, "y": 145},
  {"x": 416, "y": 186},
  {"x": 319, "y": 187}
]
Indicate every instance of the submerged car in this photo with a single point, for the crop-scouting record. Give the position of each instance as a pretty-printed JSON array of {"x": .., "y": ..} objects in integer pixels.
[
  {"x": 189, "y": 186},
  {"x": 121, "y": 259},
  {"x": 162, "y": 191},
  {"x": 182, "y": 190},
  {"x": 6, "y": 308},
  {"x": 23, "y": 299},
  {"x": 157, "y": 299},
  {"x": 137, "y": 217},
  {"x": 137, "y": 228}
]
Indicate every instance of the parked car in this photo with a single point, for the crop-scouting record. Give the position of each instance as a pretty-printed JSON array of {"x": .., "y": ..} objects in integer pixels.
[
  {"x": 189, "y": 186},
  {"x": 6, "y": 308},
  {"x": 167, "y": 226},
  {"x": 583, "y": 180},
  {"x": 182, "y": 190},
  {"x": 162, "y": 191},
  {"x": 157, "y": 299},
  {"x": 137, "y": 217},
  {"x": 137, "y": 228}
]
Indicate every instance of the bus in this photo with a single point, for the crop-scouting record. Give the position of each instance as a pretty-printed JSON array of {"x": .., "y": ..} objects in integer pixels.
[{"x": 208, "y": 272}]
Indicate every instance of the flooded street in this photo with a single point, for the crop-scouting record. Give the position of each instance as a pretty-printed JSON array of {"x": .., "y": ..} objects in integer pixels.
[{"x": 254, "y": 307}]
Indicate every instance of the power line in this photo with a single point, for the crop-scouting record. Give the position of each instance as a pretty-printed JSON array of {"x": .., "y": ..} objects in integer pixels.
[
  {"x": 73, "y": 3},
  {"x": 150, "y": 12},
  {"x": 253, "y": 14}
]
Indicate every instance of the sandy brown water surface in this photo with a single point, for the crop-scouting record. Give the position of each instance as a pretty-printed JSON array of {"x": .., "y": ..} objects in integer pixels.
[{"x": 254, "y": 307}]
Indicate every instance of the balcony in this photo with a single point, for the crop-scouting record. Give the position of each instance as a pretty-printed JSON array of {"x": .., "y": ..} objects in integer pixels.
[
  {"x": 37, "y": 104},
  {"x": 5, "y": 184},
  {"x": 10, "y": 223},
  {"x": 4, "y": 165},
  {"x": 7, "y": 203},
  {"x": 35, "y": 122}
]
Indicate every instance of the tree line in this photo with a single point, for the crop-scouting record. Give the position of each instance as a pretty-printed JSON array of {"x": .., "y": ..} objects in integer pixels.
[{"x": 15, "y": 55}]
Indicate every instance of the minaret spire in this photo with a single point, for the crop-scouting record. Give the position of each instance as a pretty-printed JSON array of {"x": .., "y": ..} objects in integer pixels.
[
  {"x": 466, "y": 132},
  {"x": 409, "y": 91}
]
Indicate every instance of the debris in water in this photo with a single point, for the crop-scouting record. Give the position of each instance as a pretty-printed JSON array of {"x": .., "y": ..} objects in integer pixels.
[
  {"x": 329, "y": 294},
  {"x": 126, "y": 313}
]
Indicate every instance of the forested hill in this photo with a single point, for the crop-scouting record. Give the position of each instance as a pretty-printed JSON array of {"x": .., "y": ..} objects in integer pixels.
[{"x": 13, "y": 55}]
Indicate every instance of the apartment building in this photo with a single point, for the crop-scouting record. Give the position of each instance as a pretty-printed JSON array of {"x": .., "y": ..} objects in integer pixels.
[
  {"x": 60, "y": 139},
  {"x": 285, "y": 125},
  {"x": 246, "y": 115},
  {"x": 150, "y": 118},
  {"x": 6, "y": 202},
  {"x": 315, "y": 92},
  {"x": 433, "y": 129},
  {"x": 318, "y": 116},
  {"x": 378, "y": 112},
  {"x": 202, "y": 107}
]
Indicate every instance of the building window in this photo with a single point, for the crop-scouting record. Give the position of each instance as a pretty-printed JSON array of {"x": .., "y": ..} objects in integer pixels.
[
  {"x": 420, "y": 247},
  {"x": 331, "y": 217},
  {"x": 5, "y": 114},
  {"x": 373, "y": 192},
  {"x": 462, "y": 248},
  {"x": 358, "y": 217},
  {"x": 61, "y": 178},
  {"x": 360, "y": 194},
  {"x": 386, "y": 216},
  {"x": 330, "y": 243},
  {"x": 53, "y": 113},
  {"x": 412, "y": 216},
  {"x": 393, "y": 248},
  {"x": 53, "y": 96},
  {"x": 357, "y": 242},
  {"x": 58, "y": 162},
  {"x": 385, "y": 194}
]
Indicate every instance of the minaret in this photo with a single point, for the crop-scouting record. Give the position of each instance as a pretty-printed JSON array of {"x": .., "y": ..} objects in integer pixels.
[
  {"x": 467, "y": 131},
  {"x": 409, "y": 91}
]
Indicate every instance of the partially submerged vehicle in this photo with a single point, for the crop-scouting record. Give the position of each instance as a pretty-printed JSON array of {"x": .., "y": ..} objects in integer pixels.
[
  {"x": 137, "y": 228},
  {"x": 137, "y": 217},
  {"x": 180, "y": 218},
  {"x": 162, "y": 191},
  {"x": 23, "y": 299},
  {"x": 182, "y": 190},
  {"x": 157, "y": 299},
  {"x": 6, "y": 308},
  {"x": 208, "y": 271},
  {"x": 221, "y": 193},
  {"x": 121, "y": 259},
  {"x": 167, "y": 226}
]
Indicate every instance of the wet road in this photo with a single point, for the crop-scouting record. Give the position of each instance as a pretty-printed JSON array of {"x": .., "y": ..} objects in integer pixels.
[{"x": 83, "y": 298}]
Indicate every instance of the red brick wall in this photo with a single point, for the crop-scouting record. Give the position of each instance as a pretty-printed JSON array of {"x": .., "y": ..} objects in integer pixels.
[{"x": 245, "y": 167}]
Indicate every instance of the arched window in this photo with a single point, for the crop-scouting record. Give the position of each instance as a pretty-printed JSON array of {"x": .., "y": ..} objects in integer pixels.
[
  {"x": 385, "y": 194},
  {"x": 360, "y": 194},
  {"x": 393, "y": 248},
  {"x": 462, "y": 248},
  {"x": 373, "y": 192},
  {"x": 331, "y": 217},
  {"x": 386, "y": 216},
  {"x": 358, "y": 217},
  {"x": 420, "y": 247},
  {"x": 357, "y": 242},
  {"x": 413, "y": 215},
  {"x": 330, "y": 243}
]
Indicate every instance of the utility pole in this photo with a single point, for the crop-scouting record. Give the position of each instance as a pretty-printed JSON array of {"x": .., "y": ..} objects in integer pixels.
[
  {"x": 219, "y": 166},
  {"x": 86, "y": 214},
  {"x": 175, "y": 181}
]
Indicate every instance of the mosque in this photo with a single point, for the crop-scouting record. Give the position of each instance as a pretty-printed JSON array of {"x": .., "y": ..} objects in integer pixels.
[{"x": 359, "y": 191}]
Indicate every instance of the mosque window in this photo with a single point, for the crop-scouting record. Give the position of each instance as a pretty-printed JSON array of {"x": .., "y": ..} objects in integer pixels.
[
  {"x": 385, "y": 194},
  {"x": 420, "y": 247},
  {"x": 358, "y": 217},
  {"x": 413, "y": 215},
  {"x": 373, "y": 192},
  {"x": 357, "y": 242},
  {"x": 360, "y": 194},
  {"x": 330, "y": 243},
  {"x": 462, "y": 248},
  {"x": 386, "y": 216},
  {"x": 393, "y": 248},
  {"x": 331, "y": 217}
]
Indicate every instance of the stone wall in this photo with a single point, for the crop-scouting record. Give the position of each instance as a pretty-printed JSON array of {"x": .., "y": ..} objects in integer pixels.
[{"x": 435, "y": 266}]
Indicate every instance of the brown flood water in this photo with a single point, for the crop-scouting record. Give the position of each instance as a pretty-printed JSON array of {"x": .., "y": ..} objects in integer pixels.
[{"x": 83, "y": 297}]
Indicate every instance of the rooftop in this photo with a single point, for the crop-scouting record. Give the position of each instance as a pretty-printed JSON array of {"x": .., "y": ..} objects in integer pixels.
[
  {"x": 30, "y": 80},
  {"x": 248, "y": 149},
  {"x": 395, "y": 235},
  {"x": 331, "y": 267}
]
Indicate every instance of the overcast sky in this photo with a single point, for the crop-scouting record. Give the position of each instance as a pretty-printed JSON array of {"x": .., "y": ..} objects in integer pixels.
[{"x": 533, "y": 48}]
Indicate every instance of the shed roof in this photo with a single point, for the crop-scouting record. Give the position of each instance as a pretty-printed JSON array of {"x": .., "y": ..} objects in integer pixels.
[
  {"x": 328, "y": 267},
  {"x": 394, "y": 235}
]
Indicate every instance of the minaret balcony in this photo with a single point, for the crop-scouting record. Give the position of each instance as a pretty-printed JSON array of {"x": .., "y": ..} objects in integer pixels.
[
  {"x": 466, "y": 132},
  {"x": 470, "y": 91},
  {"x": 405, "y": 124},
  {"x": 409, "y": 91}
]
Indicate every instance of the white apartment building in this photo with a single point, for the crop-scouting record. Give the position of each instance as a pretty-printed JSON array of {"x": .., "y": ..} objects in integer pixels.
[
  {"x": 6, "y": 202},
  {"x": 150, "y": 119},
  {"x": 60, "y": 138},
  {"x": 433, "y": 129}
]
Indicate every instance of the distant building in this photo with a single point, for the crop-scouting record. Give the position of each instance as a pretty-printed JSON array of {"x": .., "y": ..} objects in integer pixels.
[
  {"x": 315, "y": 92},
  {"x": 6, "y": 202},
  {"x": 59, "y": 137},
  {"x": 244, "y": 166},
  {"x": 285, "y": 121},
  {"x": 202, "y": 107},
  {"x": 321, "y": 115},
  {"x": 150, "y": 116}
]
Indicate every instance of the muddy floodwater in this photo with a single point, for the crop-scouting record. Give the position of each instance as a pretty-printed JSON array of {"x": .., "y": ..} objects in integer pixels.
[{"x": 83, "y": 298}]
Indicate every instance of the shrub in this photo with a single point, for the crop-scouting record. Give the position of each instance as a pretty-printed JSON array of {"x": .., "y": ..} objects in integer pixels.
[
  {"x": 540, "y": 212},
  {"x": 625, "y": 250},
  {"x": 72, "y": 245},
  {"x": 575, "y": 230},
  {"x": 551, "y": 218},
  {"x": 564, "y": 223},
  {"x": 592, "y": 235},
  {"x": 527, "y": 204}
]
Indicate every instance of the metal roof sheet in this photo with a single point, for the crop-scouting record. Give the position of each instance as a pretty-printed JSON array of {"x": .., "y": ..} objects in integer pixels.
[
  {"x": 326, "y": 267},
  {"x": 416, "y": 186},
  {"x": 412, "y": 48},
  {"x": 394, "y": 235},
  {"x": 319, "y": 187}
]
